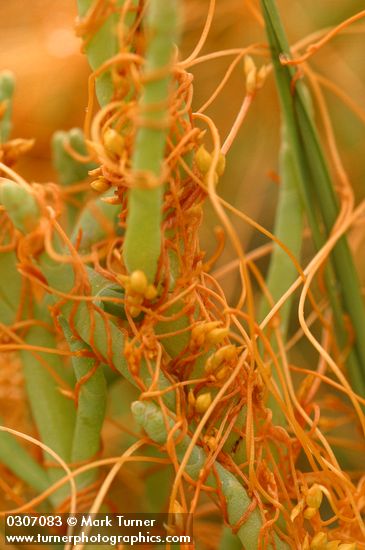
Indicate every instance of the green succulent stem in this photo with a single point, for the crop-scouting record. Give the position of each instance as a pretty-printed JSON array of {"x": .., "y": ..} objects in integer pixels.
[
  {"x": 20, "y": 205},
  {"x": 50, "y": 409},
  {"x": 91, "y": 404},
  {"x": 69, "y": 169},
  {"x": 142, "y": 245},
  {"x": 150, "y": 418},
  {"x": 96, "y": 222},
  {"x": 53, "y": 412},
  {"x": 100, "y": 47}
]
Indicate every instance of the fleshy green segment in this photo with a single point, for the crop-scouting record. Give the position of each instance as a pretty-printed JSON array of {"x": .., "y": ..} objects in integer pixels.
[
  {"x": 90, "y": 406},
  {"x": 97, "y": 220},
  {"x": 50, "y": 408},
  {"x": 229, "y": 541},
  {"x": 23, "y": 210},
  {"x": 143, "y": 239},
  {"x": 142, "y": 245},
  {"x": 102, "y": 46},
  {"x": 70, "y": 170},
  {"x": 20, "y": 205},
  {"x": 319, "y": 197},
  {"x": 7, "y": 85},
  {"x": 53, "y": 412},
  {"x": 149, "y": 417},
  {"x": 105, "y": 338}
]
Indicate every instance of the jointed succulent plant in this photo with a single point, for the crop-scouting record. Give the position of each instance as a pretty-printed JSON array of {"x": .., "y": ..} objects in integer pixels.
[{"x": 103, "y": 279}]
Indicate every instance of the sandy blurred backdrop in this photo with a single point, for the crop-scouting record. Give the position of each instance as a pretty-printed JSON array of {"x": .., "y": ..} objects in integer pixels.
[{"x": 37, "y": 43}]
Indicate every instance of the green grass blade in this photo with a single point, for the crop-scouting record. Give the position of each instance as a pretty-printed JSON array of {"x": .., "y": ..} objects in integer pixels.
[
  {"x": 312, "y": 167},
  {"x": 282, "y": 272},
  {"x": 289, "y": 225}
]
